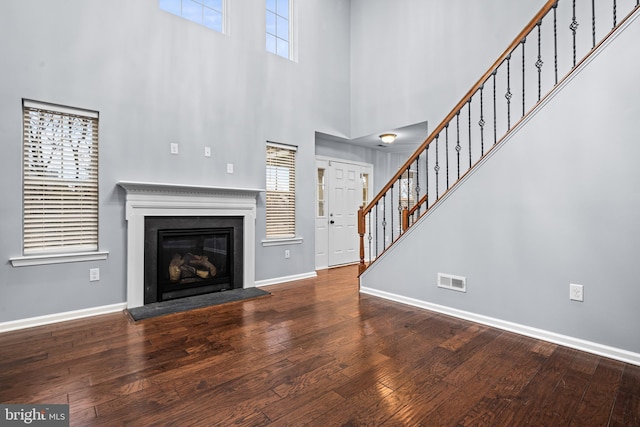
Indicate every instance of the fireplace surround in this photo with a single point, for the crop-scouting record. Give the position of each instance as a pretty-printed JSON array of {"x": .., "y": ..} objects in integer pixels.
[
  {"x": 146, "y": 200},
  {"x": 187, "y": 256}
]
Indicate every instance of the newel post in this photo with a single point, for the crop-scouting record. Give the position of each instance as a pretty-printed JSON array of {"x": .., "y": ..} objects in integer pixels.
[
  {"x": 405, "y": 219},
  {"x": 361, "y": 230}
]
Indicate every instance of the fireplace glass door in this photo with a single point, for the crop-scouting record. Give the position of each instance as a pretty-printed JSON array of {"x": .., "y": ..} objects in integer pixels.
[
  {"x": 189, "y": 259},
  {"x": 187, "y": 256}
]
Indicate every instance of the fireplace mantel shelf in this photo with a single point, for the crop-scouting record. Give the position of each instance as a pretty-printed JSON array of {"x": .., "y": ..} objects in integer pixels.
[{"x": 155, "y": 187}]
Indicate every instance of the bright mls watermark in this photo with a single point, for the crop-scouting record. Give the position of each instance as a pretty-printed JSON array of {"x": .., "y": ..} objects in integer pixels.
[{"x": 35, "y": 415}]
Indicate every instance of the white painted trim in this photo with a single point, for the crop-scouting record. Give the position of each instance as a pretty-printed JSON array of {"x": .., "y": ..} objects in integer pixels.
[
  {"x": 278, "y": 280},
  {"x": 160, "y": 199},
  {"x": 351, "y": 162},
  {"x": 282, "y": 241},
  {"x": 30, "y": 260},
  {"x": 60, "y": 317},
  {"x": 564, "y": 340}
]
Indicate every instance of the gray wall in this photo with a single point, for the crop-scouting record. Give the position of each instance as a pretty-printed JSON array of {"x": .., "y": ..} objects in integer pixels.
[
  {"x": 155, "y": 79},
  {"x": 557, "y": 204},
  {"x": 413, "y": 60}
]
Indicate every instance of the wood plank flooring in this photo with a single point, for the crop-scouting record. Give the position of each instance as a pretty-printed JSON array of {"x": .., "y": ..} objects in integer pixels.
[{"x": 315, "y": 352}]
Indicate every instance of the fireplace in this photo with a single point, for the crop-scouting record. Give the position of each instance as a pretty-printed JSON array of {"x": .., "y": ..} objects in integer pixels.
[
  {"x": 186, "y": 256},
  {"x": 181, "y": 204}
]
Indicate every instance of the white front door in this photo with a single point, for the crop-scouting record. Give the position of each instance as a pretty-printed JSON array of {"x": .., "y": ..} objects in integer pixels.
[
  {"x": 341, "y": 189},
  {"x": 345, "y": 197}
]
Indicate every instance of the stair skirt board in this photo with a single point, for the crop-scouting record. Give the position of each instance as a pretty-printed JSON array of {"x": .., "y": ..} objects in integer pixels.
[{"x": 564, "y": 340}]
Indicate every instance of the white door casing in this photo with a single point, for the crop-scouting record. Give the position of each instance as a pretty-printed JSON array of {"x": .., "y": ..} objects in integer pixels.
[{"x": 337, "y": 240}]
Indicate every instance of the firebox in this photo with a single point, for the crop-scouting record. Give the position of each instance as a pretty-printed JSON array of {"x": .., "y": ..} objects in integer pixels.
[{"x": 187, "y": 256}]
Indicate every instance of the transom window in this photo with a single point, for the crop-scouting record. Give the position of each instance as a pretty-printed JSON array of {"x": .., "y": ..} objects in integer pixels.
[
  {"x": 278, "y": 28},
  {"x": 204, "y": 12},
  {"x": 60, "y": 179}
]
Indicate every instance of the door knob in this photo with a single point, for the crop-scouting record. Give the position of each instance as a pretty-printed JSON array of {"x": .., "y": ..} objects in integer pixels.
[{"x": 331, "y": 222}]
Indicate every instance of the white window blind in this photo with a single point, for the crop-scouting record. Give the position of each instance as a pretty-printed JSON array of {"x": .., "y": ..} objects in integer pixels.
[
  {"x": 60, "y": 179},
  {"x": 281, "y": 191}
]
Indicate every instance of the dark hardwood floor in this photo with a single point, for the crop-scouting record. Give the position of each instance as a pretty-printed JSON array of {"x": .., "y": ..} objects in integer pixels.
[{"x": 315, "y": 352}]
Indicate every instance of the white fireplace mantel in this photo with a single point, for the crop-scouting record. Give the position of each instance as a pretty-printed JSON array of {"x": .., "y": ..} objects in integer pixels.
[{"x": 156, "y": 199}]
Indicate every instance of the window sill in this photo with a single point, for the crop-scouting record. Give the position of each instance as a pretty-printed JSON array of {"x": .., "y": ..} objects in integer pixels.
[
  {"x": 30, "y": 260},
  {"x": 280, "y": 242}
]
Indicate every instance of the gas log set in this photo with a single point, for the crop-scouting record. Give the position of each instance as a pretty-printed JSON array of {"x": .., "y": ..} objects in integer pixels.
[{"x": 190, "y": 268}]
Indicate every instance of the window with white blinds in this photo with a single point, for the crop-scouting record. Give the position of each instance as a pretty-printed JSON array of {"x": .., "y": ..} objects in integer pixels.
[
  {"x": 281, "y": 191},
  {"x": 60, "y": 179}
]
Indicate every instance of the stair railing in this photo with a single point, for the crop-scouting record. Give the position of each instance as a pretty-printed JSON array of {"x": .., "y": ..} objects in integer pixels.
[{"x": 518, "y": 82}]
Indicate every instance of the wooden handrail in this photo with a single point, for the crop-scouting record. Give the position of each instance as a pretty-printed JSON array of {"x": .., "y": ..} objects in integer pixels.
[
  {"x": 550, "y": 4},
  {"x": 415, "y": 207}
]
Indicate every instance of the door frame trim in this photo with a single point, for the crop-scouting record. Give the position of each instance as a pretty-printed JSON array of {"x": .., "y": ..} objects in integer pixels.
[{"x": 328, "y": 160}]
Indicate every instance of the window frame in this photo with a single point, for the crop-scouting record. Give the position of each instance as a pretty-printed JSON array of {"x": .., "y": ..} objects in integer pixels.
[
  {"x": 64, "y": 146},
  {"x": 223, "y": 14},
  {"x": 273, "y": 238},
  {"x": 292, "y": 31}
]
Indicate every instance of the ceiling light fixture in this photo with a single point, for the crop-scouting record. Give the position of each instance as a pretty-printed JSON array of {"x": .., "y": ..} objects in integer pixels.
[{"x": 388, "y": 138}]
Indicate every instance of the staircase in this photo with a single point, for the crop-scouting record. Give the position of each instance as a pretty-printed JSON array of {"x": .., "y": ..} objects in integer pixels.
[{"x": 558, "y": 42}]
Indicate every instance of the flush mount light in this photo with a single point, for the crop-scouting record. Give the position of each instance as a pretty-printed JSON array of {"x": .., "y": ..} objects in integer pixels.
[{"x": 388, "y": 138}]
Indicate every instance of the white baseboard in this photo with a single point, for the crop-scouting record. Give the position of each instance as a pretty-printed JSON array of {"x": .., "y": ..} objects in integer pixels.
[
  {"x": 60, "y": 317},
  {"x": 284, "y": 279},
  {"x": 564, "y": 340}
]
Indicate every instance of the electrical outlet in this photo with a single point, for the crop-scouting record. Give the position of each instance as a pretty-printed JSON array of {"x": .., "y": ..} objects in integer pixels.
[
  {"x": 174, "y": 148},
  {"x": 207, "y": 151},
  {"x": 287, "y": 254},
  {"x": 229, "y": 167},
  {"x": 94, "y": 274},
  {"x": 576, "y": 292}
]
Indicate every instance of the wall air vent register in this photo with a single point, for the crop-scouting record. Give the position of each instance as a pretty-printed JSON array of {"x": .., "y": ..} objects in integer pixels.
[{"x": 454, "y": 283}]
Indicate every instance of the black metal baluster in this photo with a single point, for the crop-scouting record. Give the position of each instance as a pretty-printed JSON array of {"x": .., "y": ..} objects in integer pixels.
[
  {"x": 391, "y": 213},
  {"x": 399, "y": 206},
  {"x": 408, "y": 189},
  {"x": 574, "y": 28},
  {"x": 418, "y": 181},
  {"x": 481, "y": 122},
  {"x": 376, "y": 233},
  {"x": 508, "y": 94},
  {"x": 469, "y": 124},
  {"x": 426, "y": 155},
  {"x": 384, "y": 222},
  {"x": 437, "y": 168},
  {"x": 370, "y": 238},
  {"x": 458, "y": 147},
  {"x": 593, "y": 23},
  {"x": 615, "y": 11},
  {"x": 495, "y": 123},
  {"x": 539, "y": 62},
  {"x": 555, "y": 40},
  {"x": 524, "y": 40},
  {"x": 446, "y": 146}
]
